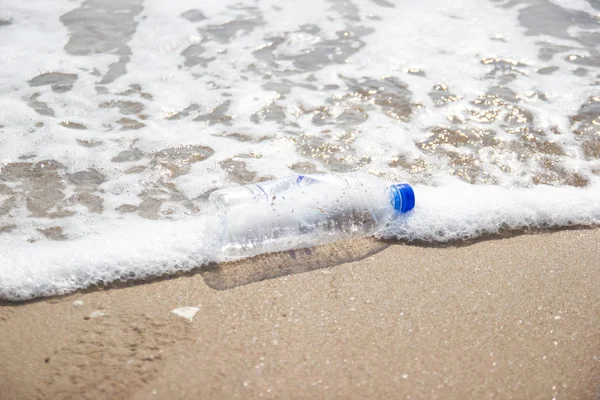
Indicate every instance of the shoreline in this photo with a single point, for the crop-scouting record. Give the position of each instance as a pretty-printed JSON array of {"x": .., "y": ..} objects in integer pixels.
[
  {"x": 342, "y": 252},
  {"x": 509, "y": 317}
]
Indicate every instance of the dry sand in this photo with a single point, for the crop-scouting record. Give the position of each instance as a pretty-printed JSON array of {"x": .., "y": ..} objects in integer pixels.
[{"x": 502, "y": 318}]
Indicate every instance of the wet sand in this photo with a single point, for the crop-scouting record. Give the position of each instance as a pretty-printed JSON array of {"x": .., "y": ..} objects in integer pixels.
[{"x": 503, "y": 318}]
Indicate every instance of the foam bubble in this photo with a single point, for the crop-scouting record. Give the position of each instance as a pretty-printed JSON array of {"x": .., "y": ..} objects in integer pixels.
[
  {"x": 137, "y": 249},
  {"x": 108, "y": 151},
  {"x": 122, "y": 250},
  {"x": 461, "y": 211}
]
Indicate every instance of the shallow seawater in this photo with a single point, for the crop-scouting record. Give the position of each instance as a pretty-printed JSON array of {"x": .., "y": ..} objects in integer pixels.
[{"x": 118, "y": 118}]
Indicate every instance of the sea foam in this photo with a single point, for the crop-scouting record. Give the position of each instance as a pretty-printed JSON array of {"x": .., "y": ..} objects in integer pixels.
[
  {"x": 138, "y": 249},
  {"x": 118, "y": 118}
]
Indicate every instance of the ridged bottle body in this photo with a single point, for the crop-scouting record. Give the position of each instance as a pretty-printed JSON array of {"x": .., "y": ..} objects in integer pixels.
[{"x": 301, "y": 211}]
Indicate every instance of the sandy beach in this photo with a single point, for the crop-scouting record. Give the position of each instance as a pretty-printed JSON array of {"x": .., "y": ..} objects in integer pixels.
[
  {"x": 129, "y": 128},
  {"x": 503, "y": 318}
]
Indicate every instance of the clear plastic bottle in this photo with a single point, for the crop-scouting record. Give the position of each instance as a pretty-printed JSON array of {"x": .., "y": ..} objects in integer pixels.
[{"x": 305, "y": 210}]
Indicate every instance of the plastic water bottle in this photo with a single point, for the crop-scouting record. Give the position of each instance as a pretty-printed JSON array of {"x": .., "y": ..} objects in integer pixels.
[{"x": 305, "y": 210}]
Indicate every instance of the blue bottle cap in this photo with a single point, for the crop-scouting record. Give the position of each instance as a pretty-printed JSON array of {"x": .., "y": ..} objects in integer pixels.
[{"x": 402, "y": 197}]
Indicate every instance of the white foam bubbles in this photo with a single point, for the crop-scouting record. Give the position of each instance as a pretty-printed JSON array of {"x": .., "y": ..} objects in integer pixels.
[
  {"x": 460, "y": 211},
  {"x": 136, "y": 249},
  {"x": 131, "y": 248},
  {"x": 578, "y": 5},
  {"x": 367, "y": 69}
]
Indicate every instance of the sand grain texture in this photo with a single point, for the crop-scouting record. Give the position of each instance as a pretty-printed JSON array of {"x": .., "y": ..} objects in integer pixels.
[{"x": 503, "y": 318}]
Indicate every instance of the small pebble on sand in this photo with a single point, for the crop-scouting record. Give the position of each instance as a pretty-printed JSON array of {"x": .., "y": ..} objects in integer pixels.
[{"x": 186, "y": 312}]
